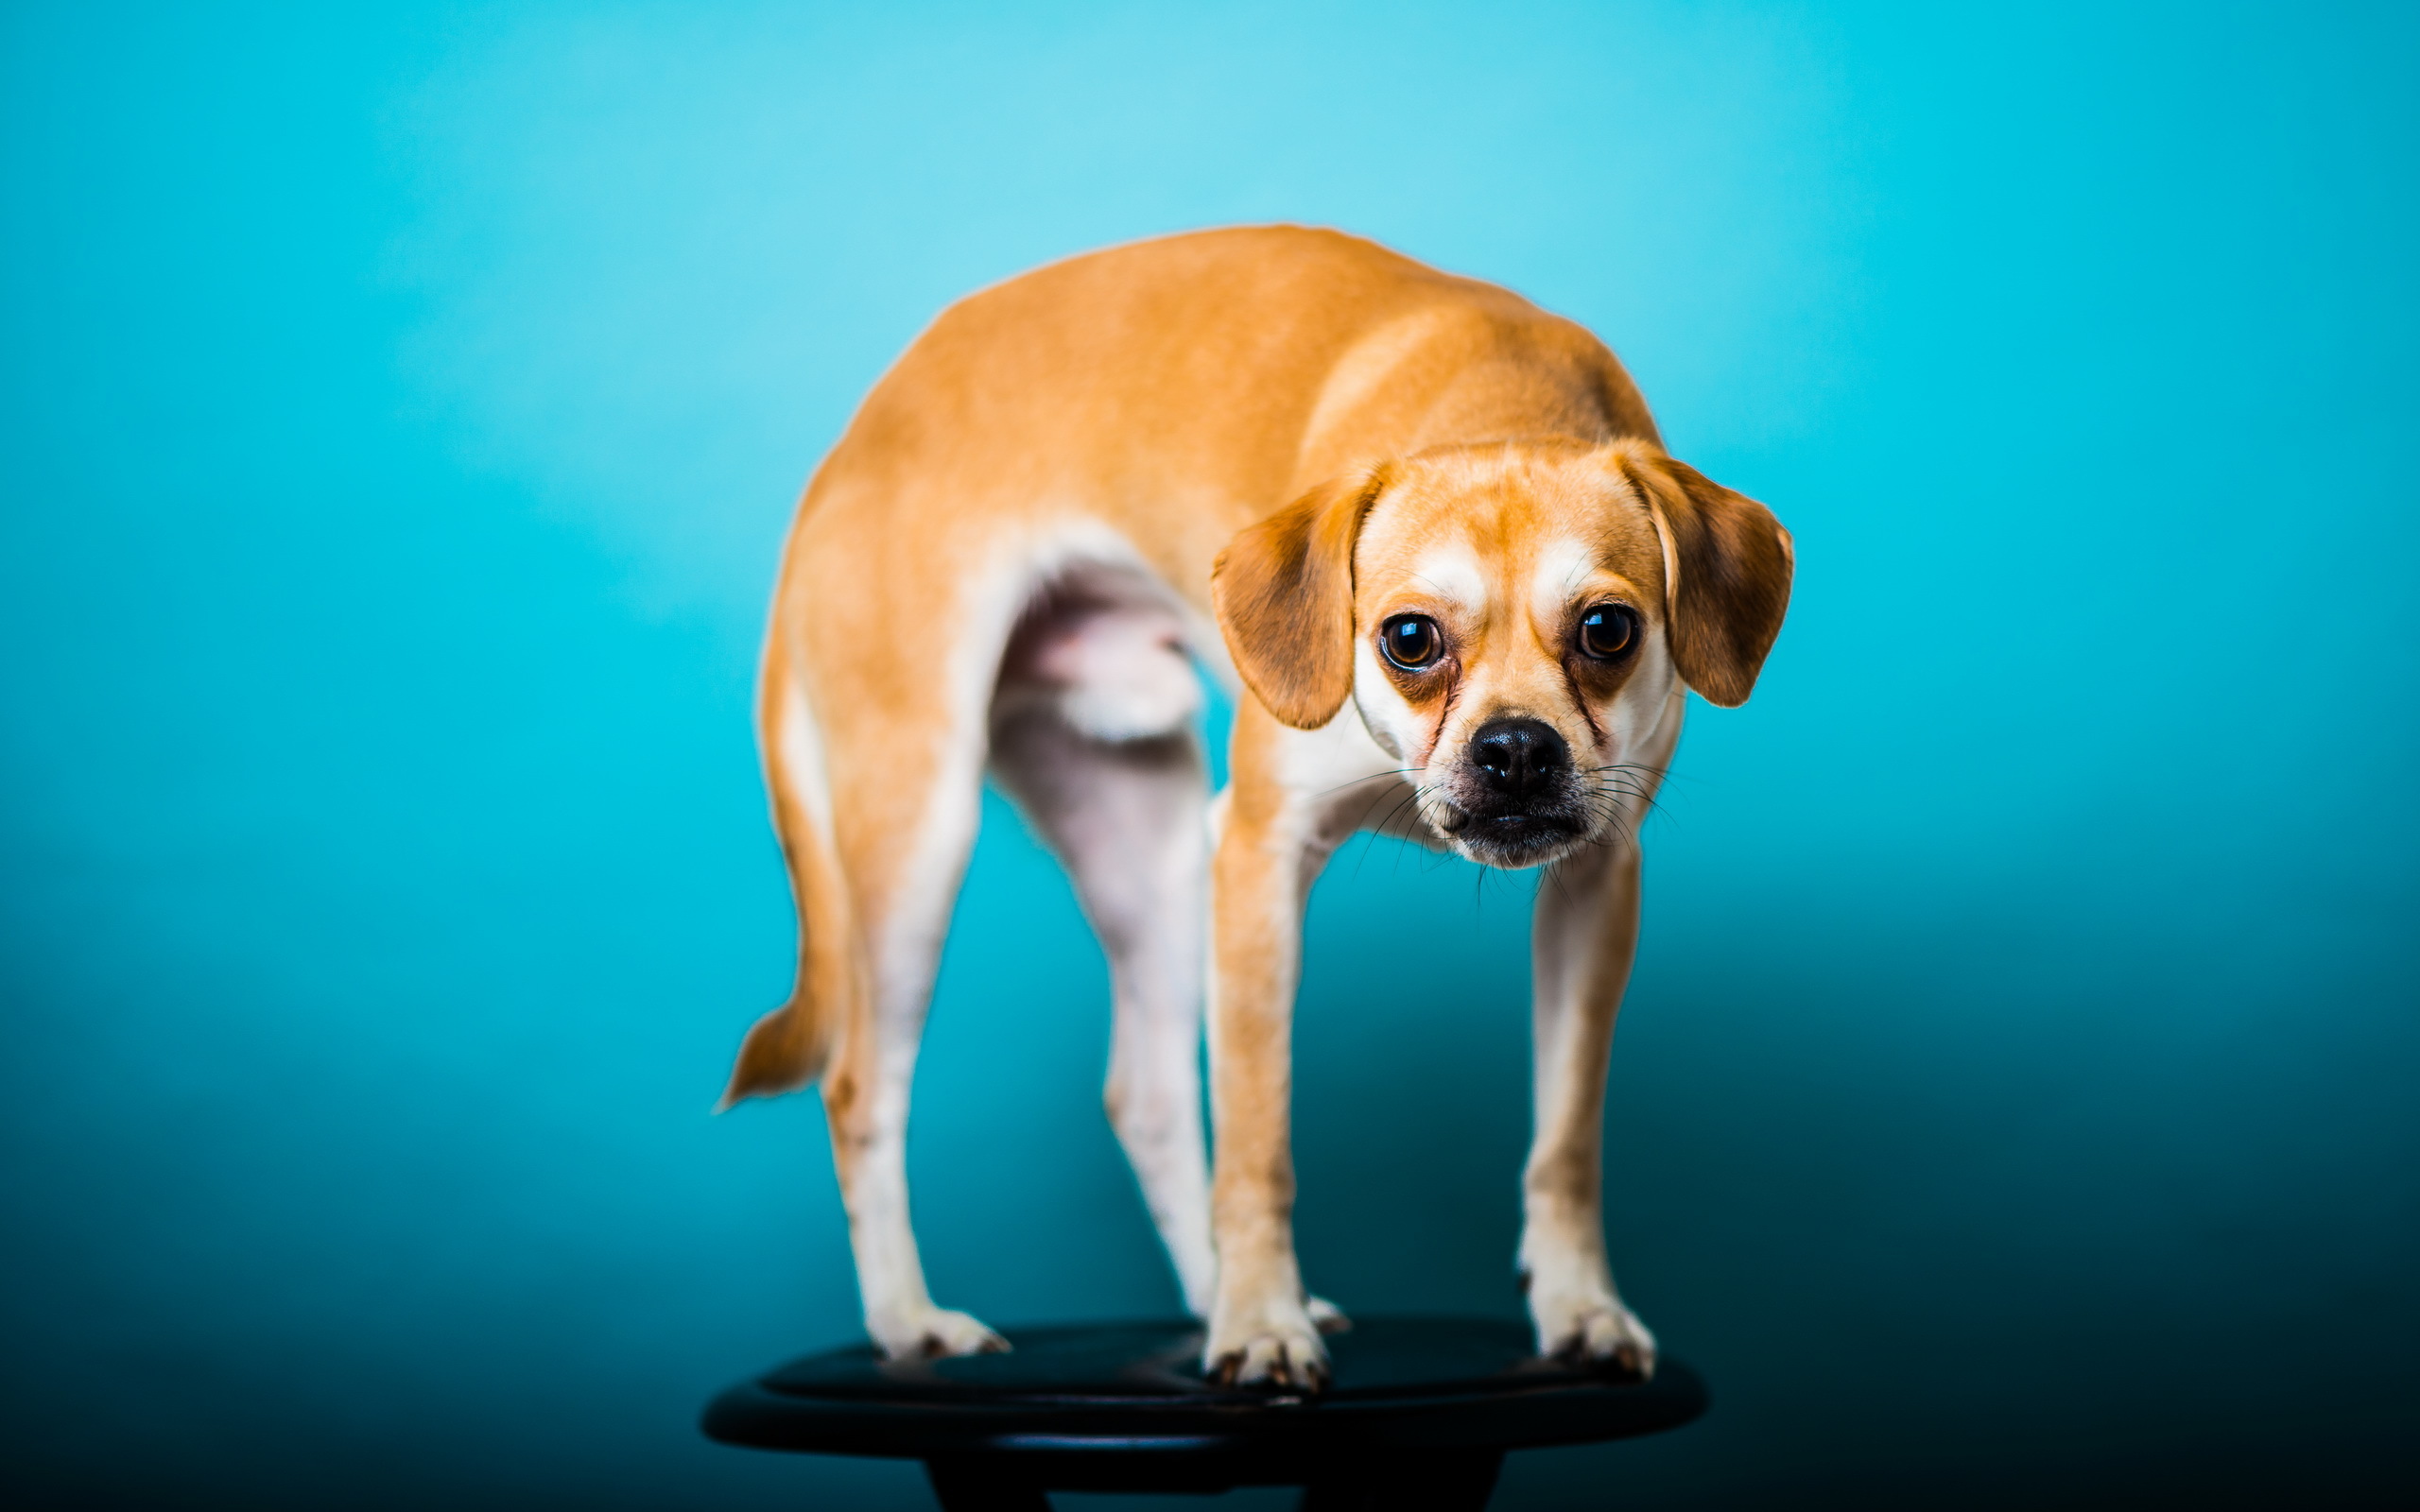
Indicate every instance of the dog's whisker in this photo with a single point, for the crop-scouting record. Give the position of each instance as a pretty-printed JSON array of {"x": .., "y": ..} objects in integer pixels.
[
  {"x": 1400, "y": 771},
  {"x": 1366, "y": 832},
  {"x": 1372, "y": 833}
]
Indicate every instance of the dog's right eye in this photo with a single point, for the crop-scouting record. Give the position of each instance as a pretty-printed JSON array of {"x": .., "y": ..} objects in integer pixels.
[{"x": 1412, "y": 640}]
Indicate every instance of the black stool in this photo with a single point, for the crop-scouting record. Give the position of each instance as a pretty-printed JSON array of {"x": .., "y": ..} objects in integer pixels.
[{"x": 1418, "y": 1416}]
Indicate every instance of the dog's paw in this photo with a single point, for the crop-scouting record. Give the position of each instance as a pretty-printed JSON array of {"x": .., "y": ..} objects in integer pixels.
[
  {"x": 1278, "y": 1346},
  {"x": 1326, "y": 1315},
  {"x": 1596, "y": 1330},
  {"x": 931, "y": 1332}
]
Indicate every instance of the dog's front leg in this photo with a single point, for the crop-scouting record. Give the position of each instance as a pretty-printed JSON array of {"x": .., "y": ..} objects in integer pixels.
[
  {"x": 1261, "y": 1325},
  {"x": 1583, "y": 938}
]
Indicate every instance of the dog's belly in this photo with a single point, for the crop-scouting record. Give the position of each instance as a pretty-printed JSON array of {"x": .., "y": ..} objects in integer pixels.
[
  {"x": 1109, "y": 649},
  {"x": 1104, "y": 648}
]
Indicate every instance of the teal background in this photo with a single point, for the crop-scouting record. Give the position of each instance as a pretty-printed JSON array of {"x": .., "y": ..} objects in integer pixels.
[{"x": 2016, "y": 1103}]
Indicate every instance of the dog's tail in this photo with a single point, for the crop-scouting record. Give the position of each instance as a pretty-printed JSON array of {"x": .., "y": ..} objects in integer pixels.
[
  {"x": 790, "y": 1047},
  {"x": 784, "y": 1050}
]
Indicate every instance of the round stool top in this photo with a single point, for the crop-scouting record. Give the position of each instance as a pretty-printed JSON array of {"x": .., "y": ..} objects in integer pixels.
[{"x": 1400, "y": 1384}]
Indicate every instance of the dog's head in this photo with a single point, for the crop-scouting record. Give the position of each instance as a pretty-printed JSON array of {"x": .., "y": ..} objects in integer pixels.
[{"x": 1511, "y": 621}]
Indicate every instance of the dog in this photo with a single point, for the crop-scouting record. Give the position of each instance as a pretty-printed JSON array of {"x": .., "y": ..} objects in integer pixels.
[{"x": 1428, "y": 536}]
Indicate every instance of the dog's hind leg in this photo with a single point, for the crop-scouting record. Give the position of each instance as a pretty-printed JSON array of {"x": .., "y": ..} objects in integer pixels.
[
  {"x": 905, "y": 890},
  {"x": 1091, "y": 735},
  {"x": 878, "y": 805}
]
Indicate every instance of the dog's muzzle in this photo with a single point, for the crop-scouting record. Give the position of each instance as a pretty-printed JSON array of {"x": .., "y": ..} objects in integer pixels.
[{"x": 1514, "y": 801}]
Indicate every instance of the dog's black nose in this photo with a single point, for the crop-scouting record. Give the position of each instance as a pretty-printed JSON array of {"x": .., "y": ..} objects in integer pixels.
[{"x": 1519, "y": 756}]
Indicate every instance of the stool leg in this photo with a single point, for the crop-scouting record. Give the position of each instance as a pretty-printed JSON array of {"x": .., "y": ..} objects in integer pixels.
[
  {"x": 1419, "y": 1483},
  {"x": 983, "y": 1483}
]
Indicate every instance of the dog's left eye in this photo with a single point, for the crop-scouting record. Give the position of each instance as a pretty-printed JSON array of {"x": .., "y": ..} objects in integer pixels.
[
  {"x": 1412, "y": 641},
  {"x": 1607, "y": 630}
]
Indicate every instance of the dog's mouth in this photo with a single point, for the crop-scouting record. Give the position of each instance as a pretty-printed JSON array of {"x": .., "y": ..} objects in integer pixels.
[{"x": 1511, "y": 837}]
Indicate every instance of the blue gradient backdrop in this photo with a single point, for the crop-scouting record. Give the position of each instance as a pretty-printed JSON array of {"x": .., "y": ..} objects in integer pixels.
[{"x": 2020, "y": 1095}]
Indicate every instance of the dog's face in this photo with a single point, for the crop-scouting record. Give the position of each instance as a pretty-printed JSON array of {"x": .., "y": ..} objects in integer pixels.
[
  {"x": 1508, "y": 609},
  {"x": 1511, "y": 622}
]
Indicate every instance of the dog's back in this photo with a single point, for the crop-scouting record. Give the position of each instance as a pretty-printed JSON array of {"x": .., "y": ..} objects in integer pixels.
[{"x": 1178, "y": 389}]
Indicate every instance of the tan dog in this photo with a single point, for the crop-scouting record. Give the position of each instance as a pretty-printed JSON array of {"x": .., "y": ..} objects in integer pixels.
[{"x": 1445, "y": 554}]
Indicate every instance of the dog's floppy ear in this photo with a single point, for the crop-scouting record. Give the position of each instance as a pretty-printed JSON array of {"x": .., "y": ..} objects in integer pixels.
[
  {"x": 1726, "y": 573},
  {"x": 1283, "y": 589}
]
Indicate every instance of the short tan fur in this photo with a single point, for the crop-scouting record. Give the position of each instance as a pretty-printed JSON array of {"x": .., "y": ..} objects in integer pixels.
[{"x": 1431, "y": 532}]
